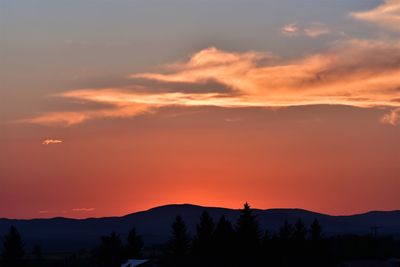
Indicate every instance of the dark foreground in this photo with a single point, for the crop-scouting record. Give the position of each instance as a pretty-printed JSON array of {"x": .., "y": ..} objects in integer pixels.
[{"x": 241, "y": 243}]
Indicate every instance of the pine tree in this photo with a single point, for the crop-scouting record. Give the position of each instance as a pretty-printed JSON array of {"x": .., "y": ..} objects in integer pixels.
[
  {"x": 13, "y": 249},
  {"x": 203, "y": 241},
  {"x": 224, "y": 233},
  {"x": 224, "y": 239},
  {"x": 179, "y": 243},
  {"x": 315, "y": 231},
  {"x": 248, "y": 237},
  {"x": 318, "y": 251},
  {"x": 285, "y": 246},
  {"x": 299, "y": 242},
  {"x": 110, "y": 252},
  {"x": 267, "y": 248},
  {"x": 135, "y": 245},
  {"x": 286, "y": 231},
  {"x": 300, "y": 231}
]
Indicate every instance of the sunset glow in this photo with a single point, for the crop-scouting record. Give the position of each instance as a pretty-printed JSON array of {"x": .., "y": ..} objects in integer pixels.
[{"x": 300, "y": 111}]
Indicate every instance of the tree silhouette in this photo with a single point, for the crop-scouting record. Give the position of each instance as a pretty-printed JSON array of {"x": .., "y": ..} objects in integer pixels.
[
  {"x": 285, "y": 246},
  {"x": 110, "y": 252},
  {"x": 179, "y": 243},
  {"x": 224, "y": 238},
  {"x": 135, "y": 245},
  {"x": 204, "y": 234},
  {"x": 300, "y": 231},
  {"x": 248, "y": 237},
  {"x": 318, "y": 250},
  {"x": 315, "y": 231},
  {"x": 224, "y": 233},
  {"x": 286, "y": 231},
  {"x": 203, "y": 245},
  {"x": 299, "y": 242},
  {"x": 267, "y": 248},
  {"x": 13, "y": 249}
]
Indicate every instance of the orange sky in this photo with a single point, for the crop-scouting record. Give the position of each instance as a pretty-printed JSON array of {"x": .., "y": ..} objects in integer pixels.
[
  {"x": 329, "y": 159},
  {"x": 217, "y": 125}
]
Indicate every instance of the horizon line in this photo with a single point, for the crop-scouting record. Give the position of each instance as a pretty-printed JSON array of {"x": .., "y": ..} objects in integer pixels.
[{"x": 199, "y": 206}]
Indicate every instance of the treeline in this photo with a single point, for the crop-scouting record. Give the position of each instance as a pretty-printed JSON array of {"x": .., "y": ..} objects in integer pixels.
[
  {"x": 244, "y": 244},
  {"x": 217, "y": 243}
]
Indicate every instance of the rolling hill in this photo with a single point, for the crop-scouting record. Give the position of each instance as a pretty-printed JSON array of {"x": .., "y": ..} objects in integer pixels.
[{"x": 63, "y": 234}]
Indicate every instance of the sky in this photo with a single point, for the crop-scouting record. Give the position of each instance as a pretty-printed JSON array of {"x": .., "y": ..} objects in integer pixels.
[{"x": 111, "y": 107}]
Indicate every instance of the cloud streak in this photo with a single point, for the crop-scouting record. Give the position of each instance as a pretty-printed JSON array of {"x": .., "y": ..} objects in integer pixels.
[
  {"x": 51, "y": 142},
  {"x": 313, "y": 30},
  {"x": 386, "y": 15},
  {"x": 316, "y": 30},
  {"x": 359, "y": 73}
]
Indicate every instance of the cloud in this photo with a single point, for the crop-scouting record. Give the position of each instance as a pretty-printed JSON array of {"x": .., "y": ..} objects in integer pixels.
[
  {"x": 386, "y": 15},
  {"x": 290, "y": 29},
  {"x": 359, "y": 73},
  {"x": 233, "y": 120},
  {"x": 68, "y": 118},
  {"x": 392, "y": 117},
  {"x": 316, "y": 30},
  {"x": 83, "y": 209},
  {"x": 51, "y": 142},
  {"x": 313, "y": 30},
  {"x": 43, "y": 211}
]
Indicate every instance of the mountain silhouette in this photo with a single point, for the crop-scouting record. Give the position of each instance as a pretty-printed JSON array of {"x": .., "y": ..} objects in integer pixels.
[{"x": 154, "y": 225}]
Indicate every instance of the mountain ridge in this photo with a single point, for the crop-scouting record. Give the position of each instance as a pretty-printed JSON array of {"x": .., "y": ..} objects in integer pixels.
[
  {"x": 66, "y": 234},
  {"x": 205, "y": 207}
]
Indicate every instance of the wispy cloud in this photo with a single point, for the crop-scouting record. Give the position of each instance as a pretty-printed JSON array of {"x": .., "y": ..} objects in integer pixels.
[
  {"x": 233, "y": 120},
  {"x": 312, "y": 30},
  {"x": 83, "y": 209},
  {"x": 360, "y": 73},
  {"x": 43, "y": 211},
  {"x": 316, "y": 30},
  {"x": 392, "y": 117},
  {"x": 387, "y": 15},
  {"x": 51, "y": 142},
  {"x": 290, "y": 29}
]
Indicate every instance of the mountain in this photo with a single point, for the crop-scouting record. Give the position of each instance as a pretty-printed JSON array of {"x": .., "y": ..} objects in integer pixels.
[{"x": 63, "y": 234}]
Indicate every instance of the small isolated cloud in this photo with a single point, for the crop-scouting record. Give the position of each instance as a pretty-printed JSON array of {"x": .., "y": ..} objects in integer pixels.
[
  {"x": 386, "y": 15},
  {"x": 316, "y": 30},
  {"x": 51, "y": 142},
  {"x": 83, "y": 209},
  {"x": 290, "y": 29},
  {"x": 393, "y": 117},
  {"x": 312, "y": 30},
  {"x": 233, "y": 120},
  {"x": 43, "y": 211}
]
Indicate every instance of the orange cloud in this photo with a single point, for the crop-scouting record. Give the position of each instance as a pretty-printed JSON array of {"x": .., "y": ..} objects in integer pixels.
[
  {"x": 387, "y": 15},
  {"x": 51, "y": 142},
  {"x": 290, "y": 29},
  {"x": 392, "y": 118},
  {"x": 358, "y": 73}
]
